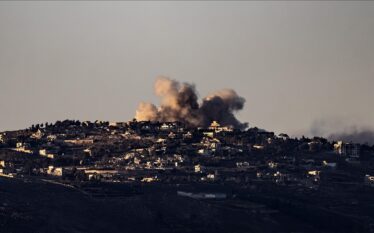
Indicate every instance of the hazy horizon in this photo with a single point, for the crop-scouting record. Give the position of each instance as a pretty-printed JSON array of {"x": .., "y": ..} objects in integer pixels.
[{"x": 303, "y": 67}]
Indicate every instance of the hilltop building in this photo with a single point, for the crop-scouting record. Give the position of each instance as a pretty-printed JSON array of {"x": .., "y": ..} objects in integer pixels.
[
  {"x": 218, "y": 128},
  {"x": 347, "y": 149}
]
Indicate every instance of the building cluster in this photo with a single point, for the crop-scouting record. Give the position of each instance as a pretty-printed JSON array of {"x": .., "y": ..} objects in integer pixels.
[{"x": 170, "y": 152}]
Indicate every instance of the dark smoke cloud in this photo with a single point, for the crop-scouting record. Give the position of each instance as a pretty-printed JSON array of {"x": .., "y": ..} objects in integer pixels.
[
  {"x": 338, "y": 130},
  {"x": 179, "y": 102},
  {"x": 358, "y": 136}
]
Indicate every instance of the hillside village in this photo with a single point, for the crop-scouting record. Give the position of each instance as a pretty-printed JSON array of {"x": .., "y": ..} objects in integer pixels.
[
  {"x": 149, "y": 151},
  {"x": 251, "y": 163}
]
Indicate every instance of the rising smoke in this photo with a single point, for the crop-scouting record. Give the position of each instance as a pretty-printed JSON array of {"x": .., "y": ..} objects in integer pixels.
[
  {"x": 179, "y": 102},
  {"x": 339, "y": 129},
  {"x": 358, "y": 136}
]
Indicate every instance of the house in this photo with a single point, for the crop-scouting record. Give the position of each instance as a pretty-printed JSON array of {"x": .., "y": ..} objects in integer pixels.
[
  {"x": 55, "y": 171},
  {"x": 51, "y": 138},
  {"x": 211, "y": 177},
  {"x": 149, "y": 179},
  {"x": 23, "y": 147},
  {"x": 314, "y": 174},
  {"x": 52, "y": 154},
  {"x": 79, "y": 141},
  {"x": 272, "y": 165},
  {"x": 2, "y": 163},
  {"x": 88, "y": 151},
  {"x": 98, "y": 174},
  {"x": 211, "y": 143},
  {"x": 205, "y": 151},
  {"x": 369, "y": 180},
  {"x": 208, "y": 134},
  {"x": 216, "y": 127},
  {"x": 199, "y": 168},
  {"x": 167, "y": 126},
  {"x": 6, "y": 167},
  {"x": 7, "y": 172},
  {"x": 117, "y": 124},
  {"x": 188, "y": 135},
  {"x": 38, "y": 134},
  {"x": 347, "y": 149},
  {"x": 329, "y": 165},
  {"x": 242, "y": 164},
  {"x": 258, "y": 147}
]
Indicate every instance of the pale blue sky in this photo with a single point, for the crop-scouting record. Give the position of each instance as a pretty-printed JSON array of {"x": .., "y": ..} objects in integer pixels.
[{"x": 295, "y": 62}]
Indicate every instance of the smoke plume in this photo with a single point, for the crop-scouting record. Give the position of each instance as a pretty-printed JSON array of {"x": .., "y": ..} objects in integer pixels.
[
  {"x": 339, "y": 129},
  {"x": 359, "y": 136},
  {"x": 179, "y": 102}
]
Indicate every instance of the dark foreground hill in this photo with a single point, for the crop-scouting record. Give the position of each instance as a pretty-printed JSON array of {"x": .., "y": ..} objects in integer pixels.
[{"x": 37, "y": 206}]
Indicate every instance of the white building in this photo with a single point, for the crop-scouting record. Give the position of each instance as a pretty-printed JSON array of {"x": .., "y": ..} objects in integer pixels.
[
  {"x": 218, "y": 128},
  {"x": 369, "y": 180},
  {"x": 47, "y": 153},
  {"x": 55, "y": 171},
  {"x": 347, "y": 149},
  {"x": 199, "y": 168}
]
